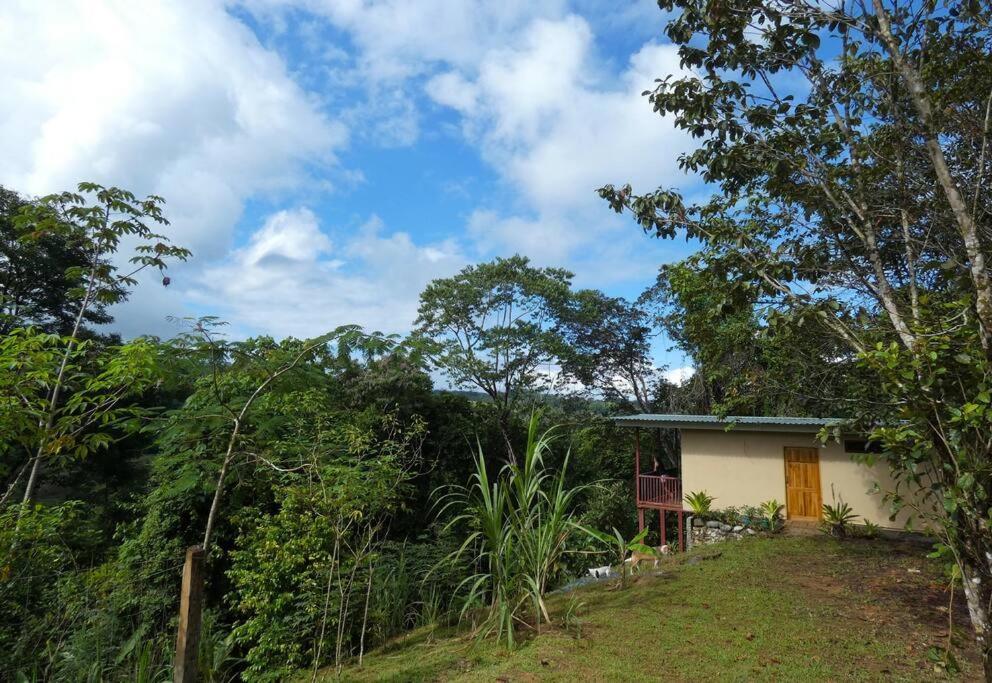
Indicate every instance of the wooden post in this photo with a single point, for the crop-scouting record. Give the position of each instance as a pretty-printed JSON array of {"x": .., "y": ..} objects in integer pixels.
[
  {"x": 190, "y": 616},
  {"x": 661, "y": 521},
  {"x": 640, "y": 520},
  {"x": 637, "y": 466},
  {"x": 681, "y": 534}
]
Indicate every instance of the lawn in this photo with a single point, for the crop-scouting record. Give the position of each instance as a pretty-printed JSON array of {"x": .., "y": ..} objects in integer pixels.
[{"x": 785, "y": 608}]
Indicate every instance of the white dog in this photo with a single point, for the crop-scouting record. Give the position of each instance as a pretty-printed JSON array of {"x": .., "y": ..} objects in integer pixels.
[{"x": 601, "y": 572}]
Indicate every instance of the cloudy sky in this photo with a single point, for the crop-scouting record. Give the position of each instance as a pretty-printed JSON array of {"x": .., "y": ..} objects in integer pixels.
[{"x": 325, "y": 159}]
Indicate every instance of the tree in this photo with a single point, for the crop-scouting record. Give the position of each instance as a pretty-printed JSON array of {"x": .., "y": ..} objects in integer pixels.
[
  {"x": 743, "y": 367},
  {"x": 99, "y": 384},
  {"x": 849, "y": 143},
  {"x": 36, "y": 275},
  {"x": 607, "y": 346},
  {"x": 94, "y": 220},
  {"x": 492, "y": 326}
]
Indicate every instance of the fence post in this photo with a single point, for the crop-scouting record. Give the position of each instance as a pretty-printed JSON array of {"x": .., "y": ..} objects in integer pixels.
[{"x": 184, "y": 668}]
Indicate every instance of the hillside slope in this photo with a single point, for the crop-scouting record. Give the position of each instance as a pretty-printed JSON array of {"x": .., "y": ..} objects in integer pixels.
[{"x": 787, "y": 608}]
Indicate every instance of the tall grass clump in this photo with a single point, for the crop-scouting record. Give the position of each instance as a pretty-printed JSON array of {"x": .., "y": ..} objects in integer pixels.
[{"x": 518, "y": 526}]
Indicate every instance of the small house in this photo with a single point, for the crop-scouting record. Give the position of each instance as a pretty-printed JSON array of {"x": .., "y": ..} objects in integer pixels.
[{"x": 747, "y": 460}]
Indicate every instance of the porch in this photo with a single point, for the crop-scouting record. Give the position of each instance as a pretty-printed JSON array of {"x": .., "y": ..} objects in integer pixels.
[
  {"x": 657, "y": 491},
  {"x": 662, "y": 492}
]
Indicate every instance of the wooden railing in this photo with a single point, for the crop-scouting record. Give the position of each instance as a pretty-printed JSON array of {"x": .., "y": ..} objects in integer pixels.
[{"x": 655, "y": 490}]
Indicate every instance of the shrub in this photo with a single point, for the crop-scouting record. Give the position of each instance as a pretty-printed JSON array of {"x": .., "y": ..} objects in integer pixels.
[
  {"x": 771, "y": 511},
  {"x": 870, "y": 529},
  {"x": 699, "y": 502},
  {"x": 837, "y": 519},
  {"x": 303, "y": 576}
]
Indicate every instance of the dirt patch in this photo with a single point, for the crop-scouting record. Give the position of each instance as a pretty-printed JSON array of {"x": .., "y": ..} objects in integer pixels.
[{"x": 874, "y": 580}]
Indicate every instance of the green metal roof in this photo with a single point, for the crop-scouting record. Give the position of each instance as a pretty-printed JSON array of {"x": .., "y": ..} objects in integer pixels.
[{"x": 731, "y": 422}]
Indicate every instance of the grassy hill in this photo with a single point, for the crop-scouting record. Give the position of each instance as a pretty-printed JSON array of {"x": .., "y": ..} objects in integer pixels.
[{"x": 786, "y": 608}]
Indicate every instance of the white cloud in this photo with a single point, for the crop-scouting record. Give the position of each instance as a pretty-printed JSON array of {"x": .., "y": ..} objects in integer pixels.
[
  {"x": 290, "y": 280},
  {"x": 397, "y": 39},
  {"x": 548, "y": 242},
  {"x": 181, "y": 99},
  {"x": 174, "y": 97},
  {"x": 291, "y": 235},
  {"x": 556, "y": 127},
  {"x": 679, "y": 376}
]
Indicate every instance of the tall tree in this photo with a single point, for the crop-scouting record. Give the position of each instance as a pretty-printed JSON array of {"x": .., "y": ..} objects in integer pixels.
[
  {"x": 37, "y": 272},
  {"x": 850, "y": 143},
  {"x": 742, "y": 366},
  {"x": 607, "y": 346},
  {"x": 492, "y": 326},
  {"x": 97, "y": 220}
]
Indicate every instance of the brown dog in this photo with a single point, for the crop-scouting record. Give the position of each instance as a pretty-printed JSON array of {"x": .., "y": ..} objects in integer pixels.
[{"x": 654, "y": 556}]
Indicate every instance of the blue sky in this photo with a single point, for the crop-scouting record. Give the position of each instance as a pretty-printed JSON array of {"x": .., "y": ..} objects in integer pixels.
[{"x": 324, "y": 159}]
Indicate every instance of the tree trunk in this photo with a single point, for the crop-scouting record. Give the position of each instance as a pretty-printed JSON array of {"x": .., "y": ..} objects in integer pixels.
[
  {"x": 504, "y": 430},
  {"x": 978, "y": 593}
]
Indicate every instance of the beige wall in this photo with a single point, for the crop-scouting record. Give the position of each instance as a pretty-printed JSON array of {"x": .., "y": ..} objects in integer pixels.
[{"x": 746, "y": 468}]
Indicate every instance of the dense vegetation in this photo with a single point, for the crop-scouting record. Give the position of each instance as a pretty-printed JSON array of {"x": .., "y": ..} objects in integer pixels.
[
  {"x": 342, "y": 498},
  {"x": 321, "y": 476}
]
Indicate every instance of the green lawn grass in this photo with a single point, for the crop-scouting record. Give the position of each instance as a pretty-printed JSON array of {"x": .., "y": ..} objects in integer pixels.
[{"x": 786, "y": 608}]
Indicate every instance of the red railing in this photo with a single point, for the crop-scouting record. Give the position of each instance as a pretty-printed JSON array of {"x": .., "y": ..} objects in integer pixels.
[{"x": 654, "y": 490}]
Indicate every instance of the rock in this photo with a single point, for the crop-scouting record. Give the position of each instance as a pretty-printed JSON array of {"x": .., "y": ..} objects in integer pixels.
[
  {"x": 712, "y": 524},
  {"x": 697, "y": 522},
  {"x": 725, "y": 528},
  {"x": 751, "y": 532},
  {"x": 737, "y": 529}
]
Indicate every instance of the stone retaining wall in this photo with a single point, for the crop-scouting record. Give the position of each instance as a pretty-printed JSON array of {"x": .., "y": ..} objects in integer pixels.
[{"x": 709, "y": 532}]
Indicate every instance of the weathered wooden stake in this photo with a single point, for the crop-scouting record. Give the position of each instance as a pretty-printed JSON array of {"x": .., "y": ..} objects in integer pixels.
[{"x": 184, "y": 669}]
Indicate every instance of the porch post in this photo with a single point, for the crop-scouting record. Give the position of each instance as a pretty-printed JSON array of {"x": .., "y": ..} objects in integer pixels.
[
  {"x": 637, "y": 464},
  {"x": 640, "y": 520},
  {"x": 661, "y": 520},
  {"x": 681, "y": 533}
]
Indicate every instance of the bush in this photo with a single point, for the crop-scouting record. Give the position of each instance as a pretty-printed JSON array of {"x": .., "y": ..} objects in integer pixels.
[
  {"x": 837, "y": 519},
  {"x": 699, "y": 502},
  {"x": 303, "y": 575}
]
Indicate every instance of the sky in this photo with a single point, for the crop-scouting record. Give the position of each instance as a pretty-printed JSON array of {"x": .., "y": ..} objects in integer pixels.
[{"x": 325, "y": 159}]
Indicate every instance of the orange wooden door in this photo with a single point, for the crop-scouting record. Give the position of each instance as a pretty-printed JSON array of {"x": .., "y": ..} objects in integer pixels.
[{"x": 802, "y": 483}]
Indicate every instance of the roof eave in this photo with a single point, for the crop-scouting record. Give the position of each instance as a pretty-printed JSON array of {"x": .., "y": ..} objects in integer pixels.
[{"x": 725, "y": 425}]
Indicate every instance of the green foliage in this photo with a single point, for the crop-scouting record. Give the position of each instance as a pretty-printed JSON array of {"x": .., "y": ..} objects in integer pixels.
[
  {"x": 742, "y": 366},
  {"x": 492, "y": 325},
  {"x": 65, "y": 398},
  {"x": 699, "y": 502},
  {"x": 610, "y": 505},
  {"x": 838, "y": 518},
  {"x": 848, "y": 150},
  {"x": 299, "y": 576},
  {"x": 41, "y": 546},
  {"x": 607, "y": 346},
  {"x": 518, "y": 530},
  {"x": 35, "y": 276},
  {"x": 870, "y": 529},
  {"x": 97, "y": 380},
  {"x": 772, "y": 512}
]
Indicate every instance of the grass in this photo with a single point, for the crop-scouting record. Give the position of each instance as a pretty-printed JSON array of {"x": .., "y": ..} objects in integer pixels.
[{"x": 785, "y": 608}]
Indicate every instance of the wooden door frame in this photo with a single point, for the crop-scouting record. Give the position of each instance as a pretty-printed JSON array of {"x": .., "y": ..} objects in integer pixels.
[{"x": 819, "y": 483}]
